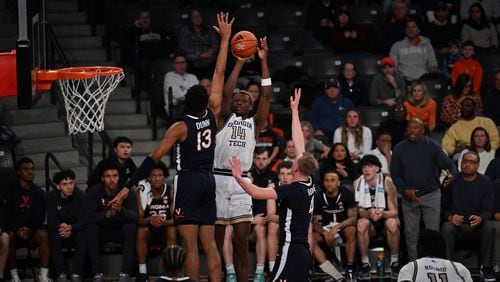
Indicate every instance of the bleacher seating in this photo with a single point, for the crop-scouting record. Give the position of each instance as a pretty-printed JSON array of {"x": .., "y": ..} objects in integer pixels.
[
  {"x": 323, "y": 66},
  {"x": 372, "y": 116},
  {"x": 288, "y": 17}
]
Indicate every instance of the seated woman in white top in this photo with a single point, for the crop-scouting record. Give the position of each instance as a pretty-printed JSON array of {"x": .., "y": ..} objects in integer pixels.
[
  {"x": 480, "y": 143},
  {"x": 354, "y": 135}
]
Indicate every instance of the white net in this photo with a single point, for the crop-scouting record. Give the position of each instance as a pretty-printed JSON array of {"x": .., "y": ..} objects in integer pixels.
[{"x": 85, "y": 101}]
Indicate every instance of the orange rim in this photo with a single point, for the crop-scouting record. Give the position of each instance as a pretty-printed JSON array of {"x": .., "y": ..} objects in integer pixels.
[{"x": 77, "y": 73}]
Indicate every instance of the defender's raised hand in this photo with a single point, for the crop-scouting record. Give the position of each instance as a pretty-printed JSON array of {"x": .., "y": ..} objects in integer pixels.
[{"x": 295, "y": 99}]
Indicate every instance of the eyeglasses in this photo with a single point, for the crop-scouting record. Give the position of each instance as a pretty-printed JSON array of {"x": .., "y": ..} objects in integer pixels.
[{"x": 464, "y": 161}]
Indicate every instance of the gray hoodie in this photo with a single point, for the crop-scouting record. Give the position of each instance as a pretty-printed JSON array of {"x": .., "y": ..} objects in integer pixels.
[{"x": 413, "y": 61}]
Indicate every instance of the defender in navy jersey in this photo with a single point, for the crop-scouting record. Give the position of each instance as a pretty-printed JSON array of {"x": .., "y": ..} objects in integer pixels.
[
  {"x": 237, "y": 135},
  {"x": 334, "y": 220},
  {"x": 294, "y": 259},
  {"x": 194, "y": 185}
]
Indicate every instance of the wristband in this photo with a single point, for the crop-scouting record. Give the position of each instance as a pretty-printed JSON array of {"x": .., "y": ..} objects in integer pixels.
[{"x": 266, "y": 82}]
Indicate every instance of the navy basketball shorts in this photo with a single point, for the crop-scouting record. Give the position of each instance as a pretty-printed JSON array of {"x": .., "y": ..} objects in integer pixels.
[
  {"x": 292, "y": 263},
  {"x": 194, "y": 198}
]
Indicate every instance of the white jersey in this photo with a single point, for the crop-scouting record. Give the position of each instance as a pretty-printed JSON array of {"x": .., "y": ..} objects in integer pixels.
[
  {"x": 235, "y": 138},
  {"x": 430, "y": 269}
]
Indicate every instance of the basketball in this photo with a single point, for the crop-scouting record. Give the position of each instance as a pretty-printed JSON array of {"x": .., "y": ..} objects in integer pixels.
[{"x": 244, "y": 44}]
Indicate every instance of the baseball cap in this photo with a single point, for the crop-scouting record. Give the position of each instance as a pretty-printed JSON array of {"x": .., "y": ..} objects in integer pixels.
[
  {"x": 387, "y": 61},
  {"x": 332, "y": 82}
]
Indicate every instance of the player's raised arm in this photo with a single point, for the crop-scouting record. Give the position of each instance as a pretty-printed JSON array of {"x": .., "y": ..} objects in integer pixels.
[
  {"x": 264, "y": 102},
  {"x": 254, "y": 191},
  {"x": 231, "y": 85},
  {"x": 224, "y": 30},
  {"x": 297, "y": 136}
]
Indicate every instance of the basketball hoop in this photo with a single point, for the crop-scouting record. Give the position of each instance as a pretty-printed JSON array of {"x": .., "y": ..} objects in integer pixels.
[{"x": 86, "y": 91}]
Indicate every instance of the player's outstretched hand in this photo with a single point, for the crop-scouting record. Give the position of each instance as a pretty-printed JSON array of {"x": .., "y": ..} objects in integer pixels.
[
  {"x": 224, "y": 25},
  {"x": 263, "y": 49},
  {"x": 295, "y": 100},
  {"x": 235, "y": 167}
]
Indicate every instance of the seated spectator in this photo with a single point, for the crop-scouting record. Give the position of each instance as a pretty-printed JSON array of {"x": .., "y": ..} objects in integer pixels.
[
  {"x": 4, "y": 238},
  {"x": 180, "y": 81},
  {"x": 479, "y": 143},
  {"x": 206, "y": 83},
  {"x": 396, "y": 126},
  {"x": 351, "y": 86},
  {"x": 174, "y": 259},
  {"x": 25, "y": 203},
  {"x": 489, "y": 6},
  {"x": 458, "y": 136},
  {"x": 115, "y": 223},
  {"x": 155, "y": 208},
  {"x": 339, "y": 160},
  {"x": 66, "y": 224},
  {"x": 313, "y": 145},
  {"x": 354, "y": 134},
  {"x": 320, "y": 19},
  {"x": 146, "y": 47},
  {"x": 450, "y": 111},
  {"x": 431, "y": 249},
  {"x": 383, "y": 151},
  {"x": 467, "y": 64},
  {"x": 387, "y": 87},
  {"x": 454, "y": 53},
  {"x": 290, "y": 155},
  {"x": 395, "y": 25},
  {"x": 122, "y": 147},
  {"x": 334, "y": 221},
  {"x": 467, "y": 207},
  {"x": 478, "y": 29},
  {"x": 269, "y": 141},
  {"x": 493, "y": 170},
  {"x": 420, "y": 105},
  {"x": 347, "y": 36},
  {"x": 328, "y": 111},
  {"x": 441, "y": 30},
  {"x": 262, "y": 176},
  {"x": 414, "y": 55},
  {"x": 492, "y": 100},
  {"x": 200, "y": 44},
  {"x": 377, "y": 207}
]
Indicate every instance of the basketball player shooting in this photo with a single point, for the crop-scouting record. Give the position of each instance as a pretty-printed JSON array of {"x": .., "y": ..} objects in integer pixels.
[{"x": 194, "y": 137}]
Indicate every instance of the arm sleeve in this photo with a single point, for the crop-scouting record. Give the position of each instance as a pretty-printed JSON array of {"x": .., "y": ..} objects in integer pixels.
[
  {"x": 80, "y": 222},
  {"x": 448, "y": 142},
  {"x": 431, "y": 59},
  {"x": 493, "y": 132},
  {"x": 39, "y": 210},
  {"x": 444, "y": 161},
  {"x": 396, "y": 173},
  {"x": 367, "y": 140},
  {"x": 488, "y": 205},
  {"x": 337, "y": 135},
  {"x": 92, "y": 213},
  {"x": 493, "y": 36}
]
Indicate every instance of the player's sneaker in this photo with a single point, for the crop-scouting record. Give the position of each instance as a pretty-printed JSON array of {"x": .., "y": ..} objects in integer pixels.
[
  {"x": 395, "y": 270},
  {"x": 123, "y": 277},
  {"x": 99, "y": 277},
  {"x": 486, "y": 274},
  {"x": 62, "y": 278},
  {"x": 231, "y": 277},
  {"x": 349, "y": 274},
  {"x": 76, "y": 278},
  {"x": 259, "y": 277},
  {"x": 364, "y": 272}
]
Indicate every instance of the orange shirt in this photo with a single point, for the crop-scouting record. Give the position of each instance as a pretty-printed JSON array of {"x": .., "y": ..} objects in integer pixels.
[
  {"x": 472, "y": 68},
  {"x": 427, "y": 113}
]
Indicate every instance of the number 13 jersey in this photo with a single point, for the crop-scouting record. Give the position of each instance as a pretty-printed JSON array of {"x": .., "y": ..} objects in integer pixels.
[
  {"x": 197, "y": 151},
  {"x": 235, "y": 138}
]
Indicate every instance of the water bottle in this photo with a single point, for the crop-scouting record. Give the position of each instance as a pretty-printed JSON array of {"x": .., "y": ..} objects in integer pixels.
[{"x": 380, "y": 265}]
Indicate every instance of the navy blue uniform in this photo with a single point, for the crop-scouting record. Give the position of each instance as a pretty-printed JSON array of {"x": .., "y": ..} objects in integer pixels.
[
  {"x": 328, "y": 207},
  {"x": 161, "y": 207},
  {"x": 194, "y": 183},
  {"x": 296, "y": 208}
]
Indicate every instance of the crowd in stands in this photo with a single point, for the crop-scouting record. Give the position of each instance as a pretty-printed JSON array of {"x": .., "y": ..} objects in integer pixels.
[{"x": 381, "y": 180}]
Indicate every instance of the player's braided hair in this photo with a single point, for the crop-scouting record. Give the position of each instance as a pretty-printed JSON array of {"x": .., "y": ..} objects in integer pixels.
[{"x": 174, "y": 257}]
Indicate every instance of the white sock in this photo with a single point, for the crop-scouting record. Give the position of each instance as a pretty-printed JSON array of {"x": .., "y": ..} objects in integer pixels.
[
  {"x": 143, "y": 269},
  {"x": 230, "y": 268},
  {"x": 394, "y": 258},
  {"x": 259, "y": 268},
  {"x": 329, "y": 269},
  {"x": 365, "y": 260},
  {"x": 13, "y": 273},
  {"x": 44, "y": 272},
  {"x": 271, "y": 265}
]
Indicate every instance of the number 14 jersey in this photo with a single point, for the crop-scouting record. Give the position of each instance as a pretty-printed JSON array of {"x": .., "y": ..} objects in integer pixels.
[{"x": 197, "y": 151}]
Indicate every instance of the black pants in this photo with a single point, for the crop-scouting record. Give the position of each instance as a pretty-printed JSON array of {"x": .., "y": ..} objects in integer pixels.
[
  {"x": 57, "y": 243},
  {"x": 99, "y": 234}
]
